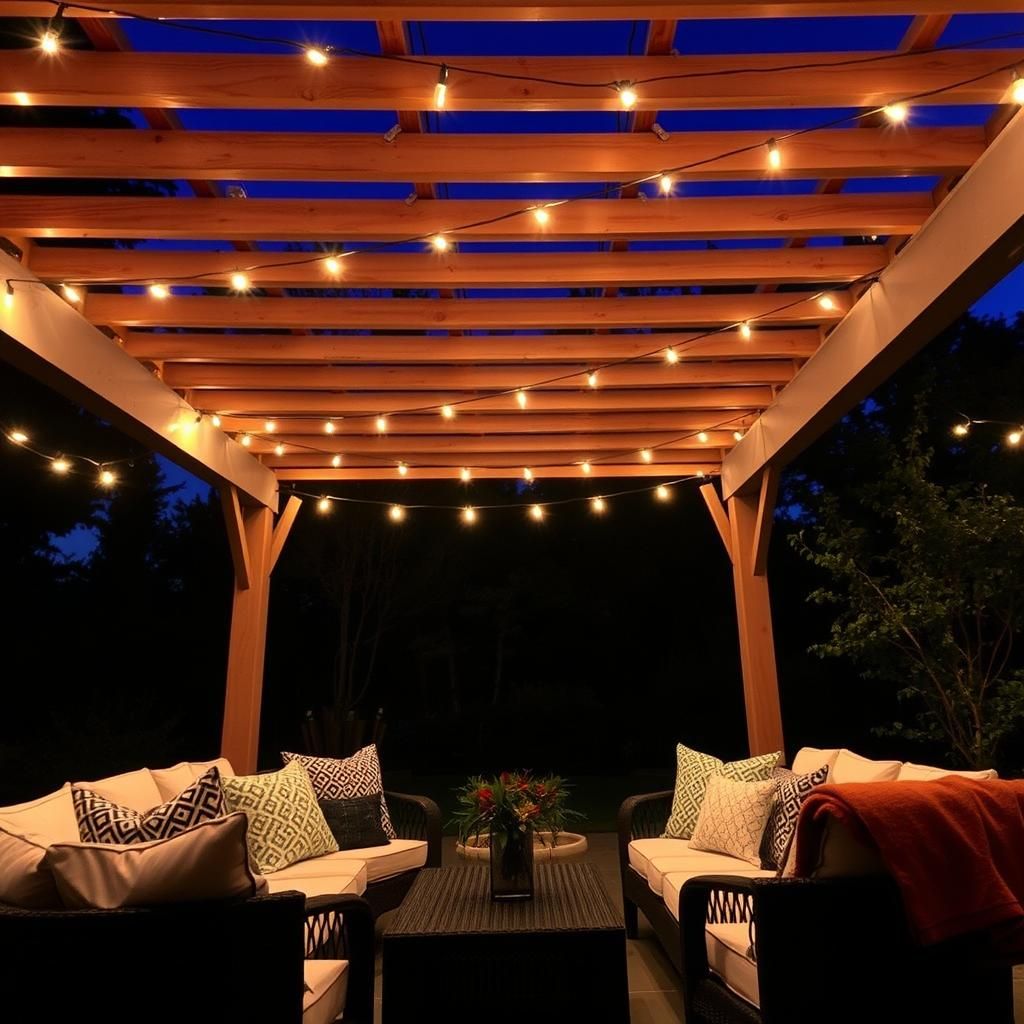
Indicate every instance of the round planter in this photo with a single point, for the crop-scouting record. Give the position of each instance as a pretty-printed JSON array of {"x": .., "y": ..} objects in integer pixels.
[{"x": 569, "y": 846}]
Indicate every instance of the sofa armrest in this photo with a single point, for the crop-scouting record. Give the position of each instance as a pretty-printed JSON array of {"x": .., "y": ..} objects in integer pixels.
[
  {"x": 417, "y": 817},
  {"x": 642, "y": 817},
  {"x": 342, "y": 928}
]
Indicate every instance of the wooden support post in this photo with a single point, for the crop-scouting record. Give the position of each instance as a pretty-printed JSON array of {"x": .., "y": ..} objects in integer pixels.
[
  {"x": 754, "y": 618},
  {"x": 260, "y": 545}
]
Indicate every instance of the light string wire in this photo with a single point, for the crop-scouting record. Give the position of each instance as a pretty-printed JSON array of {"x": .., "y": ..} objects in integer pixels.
[{"x": 66, "y": 462}]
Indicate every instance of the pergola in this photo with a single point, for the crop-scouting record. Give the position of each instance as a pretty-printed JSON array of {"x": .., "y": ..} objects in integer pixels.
[{"x": 780, "y": 308}]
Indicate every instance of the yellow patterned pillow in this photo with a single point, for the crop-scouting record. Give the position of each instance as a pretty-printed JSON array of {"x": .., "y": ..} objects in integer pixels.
[{"x": 285, "y": 821}]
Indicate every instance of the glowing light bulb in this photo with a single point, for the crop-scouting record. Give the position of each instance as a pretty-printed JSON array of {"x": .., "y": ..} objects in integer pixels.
[
  {"x": 897, "y": 113},
  {"x": 469, "y": 515},
  {"x": 323, "y": 506},
  {"x": 627, "y": 95},
  {"x": 440, "y": 243},
  {"x": 703, "y": 437},
  {"x": 662, "y": 493},
  {"x": 447, "y": 412},
  {"x": 465, "y": 475},
  {"x": 586, "y": 467},
  {"x": 269, "y": 426},
  {"x": 737, "y": 435},
  {"x": 541, "y": 215},
  {"x": 159, "y": 291},
  {"x": 961, "y": 429},
  {"x": 441, "y": 89},
  {"x": 592, "y": 379},
  {"x": 528, "y": 474},
  {"x": 279, "y": 449},
  {"x": 746, "y": 332},
  {"x": 332, "y": 265},
  {"x": 215, "y": 420},
  {"x": 71, "y": 293},
  {"x": 1014, "y": 437},
  {"x": 382, "y": 424},
  {"x": 537, "y": 512},
  {"x": 521, "y": 398},
  {"x": 240, "y": 281},
  {"x": 665, "y": 184},
  {"x": 700, "y": 474},
  {"x": 774, "y": 156},
  {"x": 335, "y": 461},
  {"x": 396, "y": 513},
  {"x": 1017, "y": 90},
  {"x": 107, "y": 478},
  {"x": 60, "y": 465},
  {"x": 18, "y": 436},
  {"x": 403, "y": 469},
  {"x": 245, "y": 440},
  {"x": 49, "y": 42},
  {"x": 316, "y": 56},
  {"x": 671, "y": 355},
  {"x": 329, "y": 427},
  {"x": 599, "y": 505},
  {"x": 827, "y": 302},
  {"x": 646, "y": 454},
  {"x": 22, "y": 99}
]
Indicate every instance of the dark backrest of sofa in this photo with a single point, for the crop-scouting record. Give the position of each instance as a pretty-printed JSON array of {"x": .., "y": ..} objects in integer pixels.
[{"x": 230, "y": 961}]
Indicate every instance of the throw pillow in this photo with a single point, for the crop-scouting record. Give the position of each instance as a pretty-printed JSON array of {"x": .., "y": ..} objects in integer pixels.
[
  {"x": 344, "y": 778},
  {"x": 285, "y": 822},
  {"x": 102, "y": 821},
  {"x": 693, "y": 769},
  {"x": 732, "y": 818},
  {"x": 355, "y": 824},
  {"x": 789, "y": 795},
  {"x": 209, "y": 861},
  {"x": 25, "y": 880}
]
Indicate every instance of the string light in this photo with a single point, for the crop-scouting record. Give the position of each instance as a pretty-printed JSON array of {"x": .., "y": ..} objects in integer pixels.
[
  {"x": 403, "y": 469},
  {"x": 627, "y": 95},
  {"x": 665, "y": 184},
  {"x": 598, "y": 505},
  {"x": 329, "y": 427},
  {"x": 465, "y": 475},
  {"x": 269, "y": 426},
  {"x": 396, "y": 513},
  {"x": 737, "y": 435},
  {"x": 592, "y": 379},
  {"x": 469, "y": 515},
  {"x": 671, "y": 356},
  {"x": 382, "y": 424},
  {"x": 521, "y": 398},
  {"x": 316, "y": 56},
  {"x": 240, "y": 282},
  {"x": 18, "y": 437},
  {"x": 71, "y": 293},
  {"x": 774, "y": 156},
  {"x": 746, "y": 331},
  {"x": 279, "y": 450},
  {"x": 335, "y": 461},
  {"x": 541, "y": 215},
  {"x": 60, "y": 465},
  {"x": 586, "y": 467},
  {"x": 447, "y": 412},
  {"x": 215, "y": 420},
  {"x": 647, "y": 455},
  {"x": 159, "y": 291},
  {"x": 332, "y": 265},
  {"x": 962, "y": 429},
  {"x": 827, "y": 302},
  {"x": 1017, "y": 90},
  {"x": 1014, "y": 436},
  {"x": 537, "y": 512},
  {"x": 897, "y": 113},
  {"x": 50, "y": 41},
  {"x": 107, "y": 478},
  {"x": 441, "y": 89},
  {"x": 245, "y": 440},
  {"x": 323, "y": 506},
  {"x": 662, "y": 493},
  {"x": 703, "y": 437},
  {"x": 528, "y": 474},
  {"x": 440, "y": 243}
]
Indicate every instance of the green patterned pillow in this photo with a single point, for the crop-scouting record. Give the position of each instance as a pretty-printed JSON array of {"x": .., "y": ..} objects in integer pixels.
[
  {"x": 693, "y": 769},
  {"x": 285, "y": 821}
]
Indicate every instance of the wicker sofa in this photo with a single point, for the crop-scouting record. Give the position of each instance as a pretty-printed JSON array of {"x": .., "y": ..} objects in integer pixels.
[{"x": 732, "y": 929}]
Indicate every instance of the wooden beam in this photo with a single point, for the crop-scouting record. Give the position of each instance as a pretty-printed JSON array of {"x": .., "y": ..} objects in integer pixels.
[
  {"x": 235, "y": 524},
  {"x": 370, "y": 403},
  {"x": 200, "y": 376},
  {"x": 765, "y": 519},
  {"x": 718, "y": 516},
  {"x": 174, "y": 347},
  {"x": 449, "y": 314},
  {"x": 282, "y": 528},
  {"x": 757, "y": 644},
  {"x": 512, "y": 10},
  {"x": 473, "y": 270},
  {"x": 600, "y": 471},
  {"x": 390, "y": 220},
  {"x": 323, "y": 156},
  {"x": 46, "y": 337},
  {"x": 569, "y": 454},
  {"x": 246, "y": 649},
  {"x": 267, "y": 82},
  {"x": 974, "y": 240}
]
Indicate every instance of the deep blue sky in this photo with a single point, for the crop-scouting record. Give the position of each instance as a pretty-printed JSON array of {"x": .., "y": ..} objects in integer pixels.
[{"x": 572, "y": 38}]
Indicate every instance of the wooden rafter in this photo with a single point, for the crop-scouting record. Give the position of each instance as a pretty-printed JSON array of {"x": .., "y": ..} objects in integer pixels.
[{"x": 600, "y": 471}]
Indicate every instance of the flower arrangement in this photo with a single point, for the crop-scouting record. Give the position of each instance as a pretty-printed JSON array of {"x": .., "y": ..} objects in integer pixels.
[{"x": 513, "y": 802}]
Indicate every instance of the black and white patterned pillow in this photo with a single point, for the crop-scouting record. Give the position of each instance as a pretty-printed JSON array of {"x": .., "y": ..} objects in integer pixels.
[
  {"x": 344, "y": 778},
  {"x": 355, "y": 824},
  {"x": 102, "y": 821},
  {"x": 789, "y": 795}
]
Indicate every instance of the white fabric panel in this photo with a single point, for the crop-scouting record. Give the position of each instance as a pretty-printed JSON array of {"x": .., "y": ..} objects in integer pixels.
[
  {"x": 642, "y": 850},
  {"x": 328, "y": 983},
  {"x": 136, "y": 790},
  {"x": 728, "y": 946},
  {"x": 851, "y": 767},
  {"x": 673, "y": 882},
  {"x": 50, "y": 817},
  {"x": 387, "y": 861},
  {"x": 925, "y": 773}
]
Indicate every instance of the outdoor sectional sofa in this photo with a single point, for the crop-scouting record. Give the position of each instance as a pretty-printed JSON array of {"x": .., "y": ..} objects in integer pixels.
[
  {"x": 754, "y": 947},
  {"x": 338, "y": 895}
]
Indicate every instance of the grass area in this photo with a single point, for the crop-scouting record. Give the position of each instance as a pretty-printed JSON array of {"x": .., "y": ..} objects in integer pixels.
[{"x": 596, "y": 796}]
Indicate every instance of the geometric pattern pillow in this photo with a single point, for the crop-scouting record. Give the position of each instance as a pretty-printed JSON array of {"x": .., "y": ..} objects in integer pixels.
[
  {"x": 355, "y": 824},
  {"x": 789, "y": 795},
  {"x": 732, "y": 818},
  {"x": 285, "y": 822},
  {"x": 693, "y": 770},
  {"x": 102, "y": 821},
  {"x": 345, "y": 778}
]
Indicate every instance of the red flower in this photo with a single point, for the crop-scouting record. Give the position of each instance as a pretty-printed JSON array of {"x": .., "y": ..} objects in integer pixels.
[
  {"x": 485, "y": 795},
  {"x": 506, "y": 778}
]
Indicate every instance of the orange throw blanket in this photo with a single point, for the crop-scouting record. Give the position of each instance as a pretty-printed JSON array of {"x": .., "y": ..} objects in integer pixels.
[{"x": 955, "y": 847}]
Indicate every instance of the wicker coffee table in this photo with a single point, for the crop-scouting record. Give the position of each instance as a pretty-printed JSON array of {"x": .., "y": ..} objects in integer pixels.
[{"x": 450, "y": 953}]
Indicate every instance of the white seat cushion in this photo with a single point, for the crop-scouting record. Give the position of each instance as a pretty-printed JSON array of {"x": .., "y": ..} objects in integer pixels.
[
  {"x": 51, "y": 817},
  {"x": 327, "y": 981},
  {"x": 387, "y": 861},
  {"x": 910, "y": 772},
  {"x": 696, "y": 862},
  {"x": 642, "y": 850},
  {"x": 328, "y": 875},
  {"x": 851, "y": 767},
  {"x": 728, "y": 947},
  {"x": 673, "y": 882}
]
